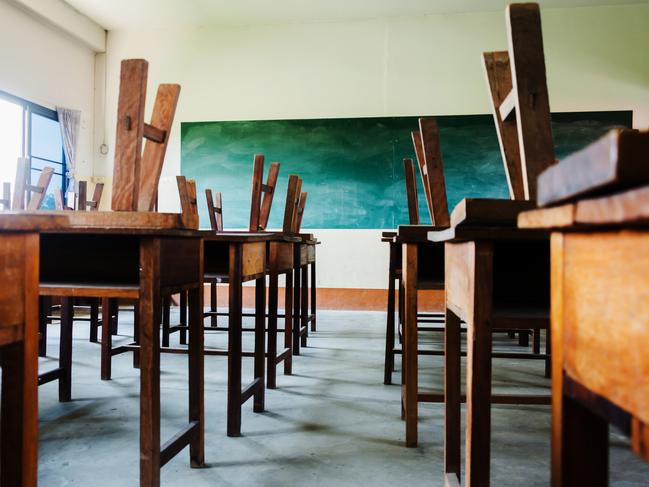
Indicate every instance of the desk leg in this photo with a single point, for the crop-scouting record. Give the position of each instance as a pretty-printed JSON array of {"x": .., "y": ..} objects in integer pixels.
[
  {"x": 271, "y": 377},
  {"x": 388, "y": 363},
  {"x": 260, "y": 343},
  {"x": 410, "y": 385},
  {"x": 183, "y": 318},
  {"x": 196, "y": 374},
  {"x": 94, "y": 319},
  {"x": 149, "y": 306},
  {"x": 288, "y": 323},
  {"x": 106, "y": 338},
  {"x": 234, "y": 342},
  {"x": 313, "y": 297},
  {"x": 304, "y": 306},
  {"x": 65, "y": 349},
  {"x": 296, "y": 304},
  {"x": 166, "y": 320},
  {"x": 452, "y": 397},
  {"x": 478, "y": 394}
]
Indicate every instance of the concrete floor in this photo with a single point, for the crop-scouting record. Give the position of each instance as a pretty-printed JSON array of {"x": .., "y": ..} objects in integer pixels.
[{"x": 333, "y": 423}]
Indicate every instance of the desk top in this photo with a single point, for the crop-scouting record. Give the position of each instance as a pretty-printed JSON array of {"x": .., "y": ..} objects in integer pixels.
[
  {"x": 487, "y": 219},
  {"x": 11, "y": 221},
  {"x": 466, "y": 233},
  {"x": 629, "y": 208},
  {"x": 416, "y": 233}
]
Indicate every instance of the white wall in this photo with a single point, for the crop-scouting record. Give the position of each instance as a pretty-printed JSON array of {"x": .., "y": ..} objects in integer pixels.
[
  {"x": 596, "y": 60},
  {"x": 43, "y": 65}
]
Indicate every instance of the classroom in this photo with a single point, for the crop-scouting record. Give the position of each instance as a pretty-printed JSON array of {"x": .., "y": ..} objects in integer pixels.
[{"x": 324, "y": 243}]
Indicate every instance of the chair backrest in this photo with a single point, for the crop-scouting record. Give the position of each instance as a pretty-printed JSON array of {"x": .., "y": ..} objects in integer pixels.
[
  {"x": 520, "y": 101},
  {"x": 26, "y": 195},
  {"x": 301, "y": 205},
  {"x": 215, "y": 210},
  {"x": 431, "y": 169},
  {"x": 291, "y": 210},
  {"x": 262, "y": 194},
  {"x": 411, "y": 191},
  {"x": 82, "y": 203},
  {"x": 188, "y": 202},
  {"x": 6, "y": 196},
  {"x": 136, "y": 174}
]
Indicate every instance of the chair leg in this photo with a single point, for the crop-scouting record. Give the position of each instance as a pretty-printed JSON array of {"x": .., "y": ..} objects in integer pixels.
[
  {"x": 166, "y": 320},
  {"x": 296, "y": 310},
  {"x": 271, "y": 366},
  {"x": 65, "y": 349},
  {"x": 213, "y": 305},
  {"x": 259, "y": 398},
  {"x": 304, "y": 307},
  {"x": 136, "y": 333},
  {"x": 288, "y": 322},
  {"x": 94, "y": 319},
  {"x": 536, "y": 341},
  {"x": 313, "y": 297},
  {"x": 44, "y": 310},
  {"x": 524, "y": 338},
  {"x": 106, "y": 339},
  {"x": 183, "y": 317},
  {"x": 548, "y": 353},
  {"x": 388, "y": 363}
]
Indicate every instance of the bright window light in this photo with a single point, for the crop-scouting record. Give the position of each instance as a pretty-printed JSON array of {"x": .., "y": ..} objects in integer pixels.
[{"x": 11, "y": 139}]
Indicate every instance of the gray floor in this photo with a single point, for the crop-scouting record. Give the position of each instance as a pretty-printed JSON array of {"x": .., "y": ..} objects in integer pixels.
[{"x": 333, "y": 423}]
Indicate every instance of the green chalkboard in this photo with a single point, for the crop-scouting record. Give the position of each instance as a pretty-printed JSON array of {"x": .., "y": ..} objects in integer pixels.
[{"x": 353, "y": 167}]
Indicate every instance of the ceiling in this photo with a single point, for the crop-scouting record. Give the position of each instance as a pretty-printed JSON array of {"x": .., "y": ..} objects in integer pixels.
[{"x": 128, "y": 14}]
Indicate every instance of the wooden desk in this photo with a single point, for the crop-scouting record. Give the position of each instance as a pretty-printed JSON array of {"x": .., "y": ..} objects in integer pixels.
[
  {"x": 496, "y": 279},
  {"x": 141, "y": 256},
  {"x": 422, "y": 268},
  {"x": 600, "y": 330},
  {"x": 19, "y": 259},
  {"x": 433, "y": 321}
]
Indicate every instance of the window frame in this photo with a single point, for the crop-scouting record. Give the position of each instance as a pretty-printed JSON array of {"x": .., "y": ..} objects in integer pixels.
[{"x": 30, "y": 108}]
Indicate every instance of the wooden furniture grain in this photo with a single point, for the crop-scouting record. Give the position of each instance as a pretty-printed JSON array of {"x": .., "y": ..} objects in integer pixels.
[
  {"x": 395, "y": 274},
  {"x": 19, "y": 254},
  {"x": 422, "y": 268},
  {"x": 599, "y": 269},
  {"x": 137, "y": 172},
  {"x": 26, "y": 195},
  {"x": 151, "y": 255},
  {"x": 496, "y": 279},
  {"x": 496, "y": 274}
]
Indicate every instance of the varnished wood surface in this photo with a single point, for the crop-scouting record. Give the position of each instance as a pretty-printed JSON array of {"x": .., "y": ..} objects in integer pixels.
[
  {"x": 532, "y": 101},
  {"x": 627, "y": 208},
  {"x": 463, "y": 234},
  {"x": 499, "y": 78},
  {"x": 129, "y": 132},
  {"x": 18, "y": 221},
  {"x": 415, "y": 233},
  {"x": 616, "y": 161},
  {"x": 153, "y": 156},
  {"x": 488, "y": 212},
  {"x": 605, "y": 337}
]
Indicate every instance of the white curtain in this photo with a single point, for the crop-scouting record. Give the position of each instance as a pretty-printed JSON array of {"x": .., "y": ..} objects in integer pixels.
[{"x": 70, "y": 120}]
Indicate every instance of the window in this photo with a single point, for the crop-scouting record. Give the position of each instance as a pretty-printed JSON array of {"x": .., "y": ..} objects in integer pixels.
[{"x": 32, "y": 131}]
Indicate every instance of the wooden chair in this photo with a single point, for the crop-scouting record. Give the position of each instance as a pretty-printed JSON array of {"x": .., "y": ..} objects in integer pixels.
[
  {"x": 496, "y": 274},
  {"x": 28, "y": 196},
  {"x": 82, "y": 203},
  {"x": 135, "y": 179},
  {"x": 46, "y": 307},
  {"x": 422, "y": 268},
  {"x": 395, "y": 273}
]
